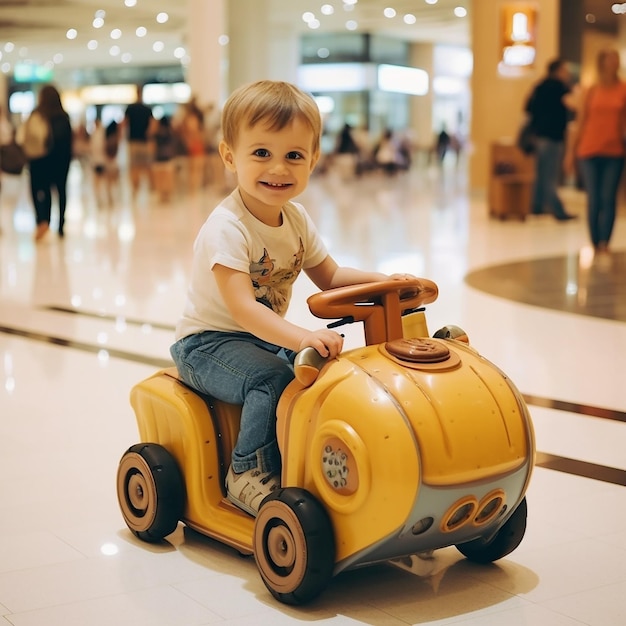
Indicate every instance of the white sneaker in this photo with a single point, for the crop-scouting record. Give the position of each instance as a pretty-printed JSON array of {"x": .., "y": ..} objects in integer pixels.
[{"x": 248, "y": 489}]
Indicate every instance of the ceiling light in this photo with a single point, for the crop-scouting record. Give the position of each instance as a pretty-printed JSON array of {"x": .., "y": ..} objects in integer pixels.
[
  {"x": 92, "y": 44},
  {"x": 100, "y": 13},
  {"x": 327, "y": 9},
  {"x": 127, "y": 57},
  {"x": 223, "y": 40},
  {"x": 158, "y": 46},
  {"x": 58, "y": 58},
  {"x": 307, "y": 16},
  {"x": 141, "y": 31},
  {"x": 98, "y": 22},
  {"x": 352, "y": 25},
  {"x": 162, "y": 17},
  {"x": 114, "y": 51},
  {"x": 431, "y": 1},
  {"x": 313, "y": 24},
  {"x": 460, "y": 11},
  {"x": 130, "y": 3},
  {"x": 179, "y": 52},
  {"x": 116, "y": 33},
  {"x": 409, "y": 18},
  {"x": 389, "y": 12},
  {"x": 71, "y": 33},
  {"x": 9, "y": 46}
]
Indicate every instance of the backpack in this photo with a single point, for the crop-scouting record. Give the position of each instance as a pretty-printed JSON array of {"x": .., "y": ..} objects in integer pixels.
[{"x": 36, "y": 136}]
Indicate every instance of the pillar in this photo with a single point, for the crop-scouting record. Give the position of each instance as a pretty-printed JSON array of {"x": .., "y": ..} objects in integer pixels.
[
  {"x": 259, "y": 49},
  {"x": 497, "y": 100},
  {"x": 421, "y": 107},
  {"x": 206, "y": 72}
]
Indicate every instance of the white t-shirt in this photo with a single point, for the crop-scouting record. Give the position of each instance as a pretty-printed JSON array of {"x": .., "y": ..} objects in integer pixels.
[{"x": 272, "y": 255}]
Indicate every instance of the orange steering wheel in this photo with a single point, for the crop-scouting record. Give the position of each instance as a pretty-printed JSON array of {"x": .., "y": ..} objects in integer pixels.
[{"x": 379, "y": 305}]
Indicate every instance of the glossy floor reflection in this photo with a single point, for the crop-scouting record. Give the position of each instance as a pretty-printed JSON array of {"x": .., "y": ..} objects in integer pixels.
[
  {"x": 585, "y": 284},
  {"x": 85, "y": 318}
]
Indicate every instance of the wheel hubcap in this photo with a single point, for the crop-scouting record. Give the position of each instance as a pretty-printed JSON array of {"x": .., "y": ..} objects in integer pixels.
[
  {"x": 137, "y": 492},
  {"x": 281, "y": 547}
]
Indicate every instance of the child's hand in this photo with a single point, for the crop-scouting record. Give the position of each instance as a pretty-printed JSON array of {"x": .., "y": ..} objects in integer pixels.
[
  {"x": 402, "y": 277},
  {"x": 327, "y": 342}
]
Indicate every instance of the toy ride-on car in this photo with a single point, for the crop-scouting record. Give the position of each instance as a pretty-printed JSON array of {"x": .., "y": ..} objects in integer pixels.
[{"x": 404, "y": 445}]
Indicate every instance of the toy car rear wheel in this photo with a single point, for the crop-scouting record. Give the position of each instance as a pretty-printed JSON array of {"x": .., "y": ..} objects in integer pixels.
[
  {"x": 508, "y": 537},
  {"x": 150, "y": 491},
  {"x": 294, "y": 545}
]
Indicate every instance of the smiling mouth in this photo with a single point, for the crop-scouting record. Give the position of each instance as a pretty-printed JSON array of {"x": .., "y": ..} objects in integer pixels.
[{"x": 276, "y": 185}]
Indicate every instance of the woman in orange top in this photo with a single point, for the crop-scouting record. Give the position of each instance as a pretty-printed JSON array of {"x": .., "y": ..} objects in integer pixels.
[{"x": 599, "y": 146}]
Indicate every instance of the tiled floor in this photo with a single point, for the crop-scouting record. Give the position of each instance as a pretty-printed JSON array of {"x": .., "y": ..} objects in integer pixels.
[{"x": 83, "y": 319}]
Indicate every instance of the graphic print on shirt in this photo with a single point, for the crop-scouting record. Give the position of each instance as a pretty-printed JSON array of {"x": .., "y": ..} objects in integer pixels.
[{"x": 271, "y": 283}]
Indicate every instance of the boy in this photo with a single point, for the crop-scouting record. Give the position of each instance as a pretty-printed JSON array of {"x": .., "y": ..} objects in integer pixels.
[{"x": 233, "y": 342}]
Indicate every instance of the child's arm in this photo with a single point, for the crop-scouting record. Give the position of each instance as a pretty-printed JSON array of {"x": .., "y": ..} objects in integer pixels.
[
  {"x": 238, "y": 294},
  {"x": 328, "y": 275}
]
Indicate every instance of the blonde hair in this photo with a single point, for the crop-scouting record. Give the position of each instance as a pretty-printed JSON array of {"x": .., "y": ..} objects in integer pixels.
[
  {"x": 275, "y": 103},
  {"x": 601, "y": 58}
]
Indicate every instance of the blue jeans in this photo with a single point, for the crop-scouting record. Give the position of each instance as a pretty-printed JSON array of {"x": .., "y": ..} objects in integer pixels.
[
  {"x": 549, "y": 158},
  {"x": 601, "y": 176},
  {"x": 240, "y": 369}
]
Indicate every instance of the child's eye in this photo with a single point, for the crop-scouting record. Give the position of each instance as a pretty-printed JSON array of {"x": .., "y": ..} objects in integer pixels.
[
  {"x": 261, "y": 152},
  {"x": 294, "y": 156}
]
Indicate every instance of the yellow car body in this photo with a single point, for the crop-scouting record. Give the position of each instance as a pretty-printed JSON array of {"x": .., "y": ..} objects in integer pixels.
[{"x": 406, "y": 444}]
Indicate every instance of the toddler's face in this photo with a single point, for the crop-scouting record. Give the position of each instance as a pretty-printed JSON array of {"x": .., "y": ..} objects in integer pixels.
[{"x": 272, "y": 166}]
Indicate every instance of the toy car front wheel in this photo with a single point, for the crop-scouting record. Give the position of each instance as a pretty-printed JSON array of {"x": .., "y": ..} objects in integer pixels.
[
  {"x": 508, "y": 537},
  {"x": 294, "y": 545},
  {"x": 150, "y": 491}
]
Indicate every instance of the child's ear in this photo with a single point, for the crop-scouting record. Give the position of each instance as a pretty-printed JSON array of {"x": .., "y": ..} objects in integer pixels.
[
  {"x": 314, "y": 160},
  {"x": 227, "y": 156}
]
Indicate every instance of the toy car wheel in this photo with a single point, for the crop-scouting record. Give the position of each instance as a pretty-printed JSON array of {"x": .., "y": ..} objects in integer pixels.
[
  {"x": 150, "y": 491},
  {"x": 508, "y": 537},
  {"x": 294, "y": 545}
]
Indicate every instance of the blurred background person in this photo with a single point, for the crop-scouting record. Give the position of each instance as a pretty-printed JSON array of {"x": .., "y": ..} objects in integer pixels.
[
  {"x": 548, "y": 115},
  {"x": 386, "y": 153},
  {"x": 97, "y": 159},
  {"x": 192, "y": 133},
  {"x": 598, "y": 144},
  {"x": 346, "y": 155},
  {"x": 51, "y": 169},
  {"x": 6, "y": 138},
  {"x": 111, "y": 150},
  {"x": 442, "y": 144},
  {"x": 138, "y": 121},
  {"x": 212, "y": 135},
  {"x": 163, "y": 166},
  {"x": 80, "y": 149}
]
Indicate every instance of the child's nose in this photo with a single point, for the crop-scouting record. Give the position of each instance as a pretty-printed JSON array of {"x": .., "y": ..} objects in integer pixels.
[{"x": 278, "y": 167}]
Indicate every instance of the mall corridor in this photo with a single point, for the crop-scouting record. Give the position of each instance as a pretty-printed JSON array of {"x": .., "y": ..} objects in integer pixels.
[{"x": 85, "y": 318}]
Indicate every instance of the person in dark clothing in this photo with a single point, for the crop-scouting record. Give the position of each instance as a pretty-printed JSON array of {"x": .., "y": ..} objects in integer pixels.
[
  {"x": 346, "y": 153},
  {"x": 164, "y": 153},
  {"x": 443, "y": 143},
  {"x": 52, "y": 169},
  {"x": 548, "y": 118},
  {"x": 139, "y": 125}
]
